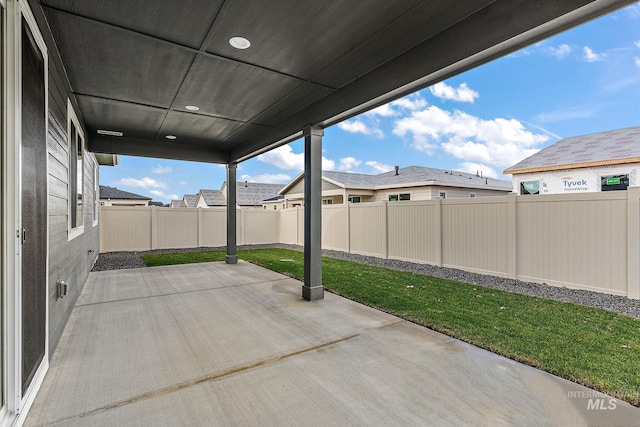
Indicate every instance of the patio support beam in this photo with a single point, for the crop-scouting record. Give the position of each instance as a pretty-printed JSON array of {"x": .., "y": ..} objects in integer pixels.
[
  {"x": 232, "y": 247},
  {"x": 312, "y": 289}
]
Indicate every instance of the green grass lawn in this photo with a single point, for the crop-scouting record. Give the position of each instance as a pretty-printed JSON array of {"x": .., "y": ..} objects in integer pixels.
[{"x": 594, "y": 347}]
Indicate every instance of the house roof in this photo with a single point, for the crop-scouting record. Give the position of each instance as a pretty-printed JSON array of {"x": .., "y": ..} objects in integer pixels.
[
  {"x": 277, "y": 198},
  {"x": 177, "y": 204},
  {"x": 190, "y": 200},
  {"x": 252, "y": 193},
  {"x": 115, "y": 193},
  {"x": 294, "y": 74},
  {"x": 213, "y": 197},
  {"x": 410, "y": 176},
  {"x": 597, "y": 149}
]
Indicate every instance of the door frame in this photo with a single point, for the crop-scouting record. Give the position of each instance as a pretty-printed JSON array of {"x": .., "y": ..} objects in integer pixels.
[{"x": 16, "y": 401}]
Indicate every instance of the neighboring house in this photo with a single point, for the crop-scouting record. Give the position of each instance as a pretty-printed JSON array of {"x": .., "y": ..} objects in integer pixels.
[
  {"x": 275, "y": 203},
  {"x": 190, "y": 200},
  {"x": 251, "y": 194},
  {"x": 158, "y": 204},
  {"x": 210, "y": 198},
  {"x": 402, "y": 184},
  {"x": 602, "y": 161},
  {"x": 176, "y": 204},
  {"x": 112, "y": 196}
]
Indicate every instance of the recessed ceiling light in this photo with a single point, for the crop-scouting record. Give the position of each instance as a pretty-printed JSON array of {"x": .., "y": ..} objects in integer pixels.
[
  {"x": 170, "y": 137},
  {"x": 109, "y": 132},
  {"x": 192, "y": 108},
  {"x": 239, "y": 42}
]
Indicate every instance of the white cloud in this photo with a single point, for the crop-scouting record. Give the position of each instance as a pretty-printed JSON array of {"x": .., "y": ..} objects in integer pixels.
[
  {"x": 637, "y": 43},
  {"x": 499, "y": 141},
  {"x": 358, "y": 126},
  {"x": 474, "y": 168},
  {"x": 591, "y": 56},
  {"x": 145, "y": 182},
  {"x": 637, "y": 61},
  {"x": 268, "y": 178},
  {"x": 184, "y": 183},
  {"x": 462, "y": 93},
  {"x": 567, "y": 113},
  {"x": 560, "y": 51},
  {"x": 283, "y": 157},
  {"x": 378, "y": 167},
  {"x": 161, "y": 169},
  {"x": 164, "y": 196},
  {"x": 348, "y": 163}
]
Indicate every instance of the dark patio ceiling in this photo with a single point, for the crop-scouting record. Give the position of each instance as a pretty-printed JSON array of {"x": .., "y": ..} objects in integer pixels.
[{"x": 134, "y": 65}]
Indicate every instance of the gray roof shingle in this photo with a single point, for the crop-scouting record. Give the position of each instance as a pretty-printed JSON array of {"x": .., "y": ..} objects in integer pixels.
[
  {"x": 213, "y": 197},
  {"x": 252, "y": 193},
  {"x": 115, "y": 193},
  {"x": 588, "y": 150},
  {"x": 411, "y": 175},
  {"x": 190, "y": 200}
]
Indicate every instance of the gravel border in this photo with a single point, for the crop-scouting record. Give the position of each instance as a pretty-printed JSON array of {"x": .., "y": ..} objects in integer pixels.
[{"x": 614, "y": 303}]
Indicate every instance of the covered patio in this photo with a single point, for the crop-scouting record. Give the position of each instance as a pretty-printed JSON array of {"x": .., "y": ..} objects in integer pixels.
[{"x": 219, "y": 344}]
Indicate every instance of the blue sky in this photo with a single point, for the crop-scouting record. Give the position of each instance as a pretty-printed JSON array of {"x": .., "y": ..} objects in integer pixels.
[{"x": 582, "y": 81}]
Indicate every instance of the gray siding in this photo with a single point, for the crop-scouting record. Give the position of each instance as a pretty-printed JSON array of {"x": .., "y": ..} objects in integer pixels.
[{"x": 72, "y": 260}]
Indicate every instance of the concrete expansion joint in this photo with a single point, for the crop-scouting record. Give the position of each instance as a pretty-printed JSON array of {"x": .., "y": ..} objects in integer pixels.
[
  {"x": 204, "y": 379},
  {"x": 182, "y": 292}
]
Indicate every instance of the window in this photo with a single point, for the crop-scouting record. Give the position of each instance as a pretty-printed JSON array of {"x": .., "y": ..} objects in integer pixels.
[
  {"x": 327, "y": 201},
  {"x": 472, "y": 195},
  {"x": 401, "y": 197},
  {"x": 275, "y": 207},
  {"x": 354, "y": 199},
  {"x": 530, "y": 187},
  {"x": 96, "y": 194},
  {"x": 76, "y": 173},
  {"x": 442, "y": 194},
  {"x": 614, "y": 182}
]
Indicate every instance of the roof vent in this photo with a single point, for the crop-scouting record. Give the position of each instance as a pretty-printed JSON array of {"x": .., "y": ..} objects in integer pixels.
[
  {"x": 246, "y": 183},
  {"x": 397, "y": 170}
]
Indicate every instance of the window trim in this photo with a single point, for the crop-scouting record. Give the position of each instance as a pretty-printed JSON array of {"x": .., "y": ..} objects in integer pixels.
[
  {"x": 529, "y": 194},
  {"x": 96, "y": 193},
  {"x": 351, "y": 199},
  {"x": 72, "y": 118},
  {"x": 398, "y": 197},
  {"x": 327, "y": 201}
]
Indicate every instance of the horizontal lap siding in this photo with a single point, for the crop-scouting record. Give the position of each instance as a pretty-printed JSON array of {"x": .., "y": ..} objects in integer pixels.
[{"x": 69, "y": 260}]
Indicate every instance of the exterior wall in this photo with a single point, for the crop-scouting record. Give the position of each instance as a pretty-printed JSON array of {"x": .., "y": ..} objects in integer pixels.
[
  {"x": 69, "y": 260},
  {"x": 580, "y": 180},
  {"x": 431, "y": 192}
]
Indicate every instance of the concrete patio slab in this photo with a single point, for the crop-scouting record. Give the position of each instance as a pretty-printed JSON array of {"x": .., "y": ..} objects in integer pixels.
[{"x": 217, "y": 344}]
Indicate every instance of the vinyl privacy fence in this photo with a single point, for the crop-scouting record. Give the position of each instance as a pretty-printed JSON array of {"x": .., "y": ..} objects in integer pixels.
[{"x": 587, "y": 241}]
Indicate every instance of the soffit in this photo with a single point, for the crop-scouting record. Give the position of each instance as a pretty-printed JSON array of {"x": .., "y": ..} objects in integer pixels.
[{"x": 135, "y": 65}]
